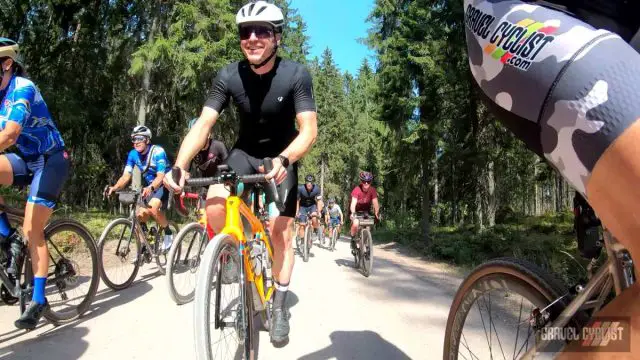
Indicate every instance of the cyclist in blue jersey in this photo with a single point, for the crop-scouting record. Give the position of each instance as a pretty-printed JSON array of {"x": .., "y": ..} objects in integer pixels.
[
  {"x": 42, "y": 163},
  {"x": 333, "y": 215},
  {"x": 153, "y": 163}
]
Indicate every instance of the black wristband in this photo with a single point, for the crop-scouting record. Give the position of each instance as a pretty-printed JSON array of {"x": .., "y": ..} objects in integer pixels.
[{"x": 284, "y": 160}]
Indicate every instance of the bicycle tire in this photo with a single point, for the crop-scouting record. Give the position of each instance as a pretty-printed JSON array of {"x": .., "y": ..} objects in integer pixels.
[
  {"x": 175, "y": 254},
  {"x": 321, "y": 234},
  {"x": 367, "y": 258},
  {"x": 527, "y": 275},
  {"x": 305, "y": 244},
  {"x": 101, "y": 244},
  {"x": 77, "y": 311},
  {"x": 202, "y": 299}
]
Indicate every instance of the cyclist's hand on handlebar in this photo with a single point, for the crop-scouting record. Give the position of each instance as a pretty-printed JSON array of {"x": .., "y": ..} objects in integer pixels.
[
  {"x": 174, "y": 179},
  {"x": 279, "y": 172},
  {"x": 146, "y": 191},
  {"x": 109, "y": 190}
]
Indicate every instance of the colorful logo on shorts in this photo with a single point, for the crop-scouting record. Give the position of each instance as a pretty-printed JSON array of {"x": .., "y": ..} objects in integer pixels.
[
  {"x": 65, "y": 155},
  {"x": 516, "y": 44}
]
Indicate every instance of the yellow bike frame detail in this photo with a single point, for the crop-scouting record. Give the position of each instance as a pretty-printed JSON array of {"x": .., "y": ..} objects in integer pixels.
[{"x": 236, "y": 210}]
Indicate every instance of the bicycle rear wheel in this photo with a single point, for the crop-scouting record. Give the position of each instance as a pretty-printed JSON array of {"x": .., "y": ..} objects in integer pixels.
[
  {"x": 505, "y": 279},
  {"x": 367, "y": 252},
  {"x": 183, "y": 262},
  {"x": 118, "y": 251},
  {"x": 305, "y": 243},
  {"x": 73, "y": 270},
  {"x": 214, "y": 308}
]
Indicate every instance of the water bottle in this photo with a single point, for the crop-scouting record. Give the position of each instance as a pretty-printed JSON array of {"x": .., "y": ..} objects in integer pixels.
[{"x": 152, "y": 235}]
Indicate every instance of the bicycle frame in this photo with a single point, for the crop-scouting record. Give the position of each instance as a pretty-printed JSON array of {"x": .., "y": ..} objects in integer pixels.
[
  {"x": 236, "y": 210},
  {"x": 620, "y": 268}
]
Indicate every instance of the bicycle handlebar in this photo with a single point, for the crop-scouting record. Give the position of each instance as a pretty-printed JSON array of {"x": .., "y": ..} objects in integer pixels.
[{"x": 233, "y": 179}]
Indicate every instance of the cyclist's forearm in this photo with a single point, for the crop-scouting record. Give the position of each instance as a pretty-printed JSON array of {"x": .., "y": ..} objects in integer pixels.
[
  {"x": 308, "y": 126},
  {"x": 122, "y": 182},
  {"x": 9, "y": 135},
  {"x": 196, "y": 138},
  {"x": 157, "y": 182}
]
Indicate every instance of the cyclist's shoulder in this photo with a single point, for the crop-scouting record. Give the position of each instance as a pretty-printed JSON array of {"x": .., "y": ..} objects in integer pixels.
[
  {"x": 217, "y": 146},
  {"x": 229, "y": 71},
  {"x": 133, "y": 154},
  {"x": 158, "y": 150},
  {"x": 293, "y": 66},
  {"x": 22, "y": 88}
]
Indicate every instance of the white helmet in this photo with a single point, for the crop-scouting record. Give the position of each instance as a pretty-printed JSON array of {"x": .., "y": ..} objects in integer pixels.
[
  {"x": 141, "y": 130},
  {"x": 261, "y": 12}
]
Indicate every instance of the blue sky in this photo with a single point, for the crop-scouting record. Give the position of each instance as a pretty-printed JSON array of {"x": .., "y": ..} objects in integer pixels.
[{"x": 337, "y": 24}]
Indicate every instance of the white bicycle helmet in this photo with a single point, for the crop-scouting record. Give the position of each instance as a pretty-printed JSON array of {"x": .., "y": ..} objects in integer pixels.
[
  {"x": 261, "y": 12},
  {"x": 141, "y": 130},
  {"x": 9, "y": 48}
]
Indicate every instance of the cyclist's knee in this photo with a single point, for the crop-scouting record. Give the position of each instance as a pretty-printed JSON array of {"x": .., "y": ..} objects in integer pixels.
[
  {"x": 216, "y": 213},
  {"x": 153, "y": 211}
]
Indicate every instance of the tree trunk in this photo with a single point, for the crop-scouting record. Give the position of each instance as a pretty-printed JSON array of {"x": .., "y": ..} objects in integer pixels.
[
  {"x": 322, "y": 175},
  {"x": 436, "y": 192},
  {"x": 537, "y": 191},
  {"x": 143, "y": 108},
  {"x": 454, "y": 197},
  {"x": 426, "y": 200},
  {"x": 490, "y": 196},
  {"x": 478, "y": 209}
]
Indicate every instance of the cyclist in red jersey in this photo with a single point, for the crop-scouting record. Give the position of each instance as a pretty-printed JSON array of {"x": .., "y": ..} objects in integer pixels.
[{"x": 362, "y": 197}]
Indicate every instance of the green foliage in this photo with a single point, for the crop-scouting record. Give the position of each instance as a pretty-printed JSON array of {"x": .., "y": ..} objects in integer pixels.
[{"x": 445, "y": 170}]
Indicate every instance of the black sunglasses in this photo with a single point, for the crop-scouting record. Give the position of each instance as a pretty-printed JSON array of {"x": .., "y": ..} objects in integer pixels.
[
  {"x": 366, "y": 182},
  {"x": 262, "y": 32}
]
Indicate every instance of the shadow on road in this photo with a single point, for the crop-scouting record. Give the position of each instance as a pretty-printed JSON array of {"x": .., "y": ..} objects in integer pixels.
[
  {"x": 355, "y": 345},
  {"x": 345, "y": 262},
  {"x": 56, "y": 345},
  {"x": 65, "y": 341}
]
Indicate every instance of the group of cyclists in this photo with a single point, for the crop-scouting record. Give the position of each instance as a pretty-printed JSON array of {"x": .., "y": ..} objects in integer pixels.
[
  {"x": 363, "y": 202},
  {"x": 558, "y": 87}
]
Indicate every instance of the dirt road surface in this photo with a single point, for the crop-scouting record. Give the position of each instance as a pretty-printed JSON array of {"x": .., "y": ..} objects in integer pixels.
[{"x": 399, "y": 312}]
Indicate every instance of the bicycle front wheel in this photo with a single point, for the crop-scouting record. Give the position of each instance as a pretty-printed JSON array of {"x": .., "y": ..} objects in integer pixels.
[
  {"x": 367, "y": 252},
  {"x": 73, "y": 276},
  {"x": 334, "y": 238},
  {"x": 222, "y": 308},
  {"x": 118, "y": 250},
  {"x": 183, "y": 262},
  {"x": 511, "y": 293},
  {"x": 161, "y": 256}
]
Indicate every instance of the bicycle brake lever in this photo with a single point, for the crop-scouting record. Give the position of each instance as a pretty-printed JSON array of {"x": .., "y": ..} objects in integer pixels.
[{"x": 268, "y": 166}]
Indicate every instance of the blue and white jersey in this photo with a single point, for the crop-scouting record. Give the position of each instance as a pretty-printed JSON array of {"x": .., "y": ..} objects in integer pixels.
[
  {"x": 23, "y": 104},
  {"x": 158, "y": 163}
]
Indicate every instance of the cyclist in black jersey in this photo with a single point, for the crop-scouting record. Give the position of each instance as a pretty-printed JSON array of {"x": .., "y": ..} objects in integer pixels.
[
  {"x": 271, "y": 95},
  {"x": 212, "y": 154},
  {"x": 309, "y": 205},
  {"x": 564, "y": 76}
]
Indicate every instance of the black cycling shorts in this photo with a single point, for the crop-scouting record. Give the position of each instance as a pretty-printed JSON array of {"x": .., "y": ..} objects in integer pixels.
[
  {"x": 244, "y": 164},
  {"x": 566, "y": 89}
]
